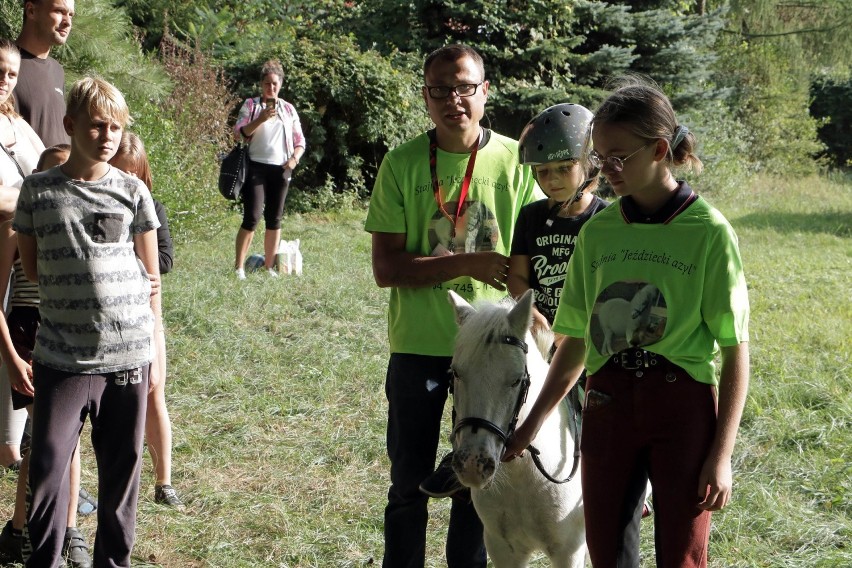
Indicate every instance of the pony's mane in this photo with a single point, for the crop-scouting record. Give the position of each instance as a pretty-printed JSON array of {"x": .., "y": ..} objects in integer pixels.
[{"x": 488, "y": 321}]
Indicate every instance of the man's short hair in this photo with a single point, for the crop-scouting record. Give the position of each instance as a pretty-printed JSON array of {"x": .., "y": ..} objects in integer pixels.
[
  {"x": 452, "y": 53},
  {"x": 24, "y": 6},
  {"x": 95, "y": 95}
]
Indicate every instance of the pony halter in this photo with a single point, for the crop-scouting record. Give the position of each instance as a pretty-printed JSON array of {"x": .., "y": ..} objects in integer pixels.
[{"x": 475, "y": 423}]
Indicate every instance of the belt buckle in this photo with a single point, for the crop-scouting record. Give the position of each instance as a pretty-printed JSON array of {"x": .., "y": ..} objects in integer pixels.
[
  {"x": 629, "y": 363},
  {"x": 638, "y": 359}
]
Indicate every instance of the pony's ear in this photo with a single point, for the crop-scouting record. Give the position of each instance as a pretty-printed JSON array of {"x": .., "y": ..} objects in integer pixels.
[
  {"x": 520, "y": 318},
  {"x": 460, "y": 305}
]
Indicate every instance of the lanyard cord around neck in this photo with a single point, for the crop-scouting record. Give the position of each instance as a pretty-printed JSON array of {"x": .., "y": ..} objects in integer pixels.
[{"x": 436, "y": 189}]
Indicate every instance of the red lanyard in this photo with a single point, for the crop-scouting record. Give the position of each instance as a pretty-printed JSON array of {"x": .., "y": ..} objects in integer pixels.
[{"x": 436, "y": 190}]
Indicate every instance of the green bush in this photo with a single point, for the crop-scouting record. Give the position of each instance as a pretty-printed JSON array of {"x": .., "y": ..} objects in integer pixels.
[
  {"x": 830, "y": 104},
  {"x": 722, "y": 149},
  {"x": 184, "y": 133},
  {"x": 771, "y": 105},
  {"x": 354, "y": 106}
]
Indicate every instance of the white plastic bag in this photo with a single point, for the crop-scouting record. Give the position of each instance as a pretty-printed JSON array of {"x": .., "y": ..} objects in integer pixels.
[{"x": 289, "y": 258}]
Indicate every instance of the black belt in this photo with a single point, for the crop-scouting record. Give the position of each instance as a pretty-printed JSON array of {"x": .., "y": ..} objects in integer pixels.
[{"x": 633, "y": 359}]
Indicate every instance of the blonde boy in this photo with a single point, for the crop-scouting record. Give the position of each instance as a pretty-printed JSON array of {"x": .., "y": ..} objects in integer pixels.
[{"x": 80, "y": 239}]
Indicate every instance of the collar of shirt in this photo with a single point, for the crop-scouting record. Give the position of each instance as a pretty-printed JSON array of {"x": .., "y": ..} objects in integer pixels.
[{"x": 682, "y": 198}]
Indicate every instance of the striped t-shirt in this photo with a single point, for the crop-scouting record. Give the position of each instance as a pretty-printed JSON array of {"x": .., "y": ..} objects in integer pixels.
[
  {"x": 24, "y": 292},
  {"x": 95, "y": 294}
]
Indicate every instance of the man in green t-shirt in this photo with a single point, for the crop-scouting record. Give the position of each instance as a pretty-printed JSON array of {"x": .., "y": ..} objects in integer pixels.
[{"x": 441, "y": 215}]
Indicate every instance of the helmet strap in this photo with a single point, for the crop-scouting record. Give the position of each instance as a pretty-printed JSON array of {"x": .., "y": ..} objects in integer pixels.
[{"x": 559, "y": 206}]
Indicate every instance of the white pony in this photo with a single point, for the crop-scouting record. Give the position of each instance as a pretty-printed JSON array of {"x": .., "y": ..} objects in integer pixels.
[{"x": 521, "y": 511}]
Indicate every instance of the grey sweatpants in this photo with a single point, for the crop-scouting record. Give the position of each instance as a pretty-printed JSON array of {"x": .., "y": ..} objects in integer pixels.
[{"x": 115, "y": 403}]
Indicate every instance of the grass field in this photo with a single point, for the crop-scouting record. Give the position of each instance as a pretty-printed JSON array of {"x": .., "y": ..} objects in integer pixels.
[{"x": 276, "y": 395}]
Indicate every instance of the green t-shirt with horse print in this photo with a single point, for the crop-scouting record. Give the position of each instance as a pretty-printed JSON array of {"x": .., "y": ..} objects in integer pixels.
[
  {"x": 675, "y": 289},
  {"x": 421, "y": 320}
]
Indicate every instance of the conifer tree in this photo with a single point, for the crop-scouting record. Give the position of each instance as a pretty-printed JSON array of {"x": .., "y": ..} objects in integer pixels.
[
  {"x": 541, "y": 52},
  {"x": 102, "y": 42}
]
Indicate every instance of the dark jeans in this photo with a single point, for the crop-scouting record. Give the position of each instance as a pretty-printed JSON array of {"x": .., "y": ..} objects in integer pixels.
[
  {"x": 416, "y": 389},
  {"x": 115, "y": 403},
  {"x": 264, "y": 192},
  {"x": 662, "y": 422}
]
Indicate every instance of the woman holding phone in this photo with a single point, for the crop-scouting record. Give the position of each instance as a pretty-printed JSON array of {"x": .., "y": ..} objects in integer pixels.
[{"x": 276, "y": 144}]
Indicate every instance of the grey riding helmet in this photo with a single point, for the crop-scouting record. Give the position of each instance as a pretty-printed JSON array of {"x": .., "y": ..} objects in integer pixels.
[{"x": 559, "y": 132}]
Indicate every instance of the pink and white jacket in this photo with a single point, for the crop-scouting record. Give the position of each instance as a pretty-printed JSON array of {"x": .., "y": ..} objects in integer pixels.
[{"x": 274, "y": 141}]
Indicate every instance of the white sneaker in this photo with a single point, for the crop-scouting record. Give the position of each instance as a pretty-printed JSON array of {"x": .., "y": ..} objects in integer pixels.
[
  {"x": 241, "y": 274},
  {"x": 271, "y": 272}
]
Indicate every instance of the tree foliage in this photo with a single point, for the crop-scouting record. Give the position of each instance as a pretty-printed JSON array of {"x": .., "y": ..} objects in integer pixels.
[
  {"x": 102, "y": 42},
  {"x": 541, "y": 52},
  {"x": 830, "y": 105},
  {"x": 769, "y": 54},
  {"x": 739, "y": 71}
]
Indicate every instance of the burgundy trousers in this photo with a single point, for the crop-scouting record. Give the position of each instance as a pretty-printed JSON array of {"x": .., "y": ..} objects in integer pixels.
[{"x": 658, "y": 422}]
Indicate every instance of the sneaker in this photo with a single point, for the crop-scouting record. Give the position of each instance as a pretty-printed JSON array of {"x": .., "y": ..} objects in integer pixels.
[
  {"x": 75, "y": 550},
  {"x": 10, "y": 545},
  {"x": 241, "y": 273},
  {"x": 271, "y": 272},
  {"x": 86, "y": 503},
  {"x": 443, "y": 481},
  {"x": 166, "y": 495}
]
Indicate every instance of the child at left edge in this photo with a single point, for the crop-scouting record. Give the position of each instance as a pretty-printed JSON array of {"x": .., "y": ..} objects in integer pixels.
[
  {"x": 132, "y": 159},
  {"x": 80, "y": 241}
]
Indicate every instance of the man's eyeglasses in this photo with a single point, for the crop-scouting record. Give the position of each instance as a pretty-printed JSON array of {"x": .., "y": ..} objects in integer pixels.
[
  {"x": 614, "y": 163},
  {"x": 466, "y": 90}
]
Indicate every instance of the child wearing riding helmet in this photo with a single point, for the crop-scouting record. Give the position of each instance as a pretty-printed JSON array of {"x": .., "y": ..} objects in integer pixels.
[
  {"x": 555, "y": 145},
  {"x": 657, "y": 290}
]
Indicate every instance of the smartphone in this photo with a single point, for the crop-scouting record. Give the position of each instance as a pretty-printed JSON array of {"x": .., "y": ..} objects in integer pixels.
[
  {"x": 270, "y": 103},
  {"x": 596, "y": 399}
]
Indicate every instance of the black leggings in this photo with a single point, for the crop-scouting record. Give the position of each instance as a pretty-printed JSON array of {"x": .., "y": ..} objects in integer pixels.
[{"x": 264, "y": 193}]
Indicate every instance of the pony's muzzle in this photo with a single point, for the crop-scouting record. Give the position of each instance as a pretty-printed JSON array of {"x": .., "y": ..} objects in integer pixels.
[{"x": 474, "y": 469}]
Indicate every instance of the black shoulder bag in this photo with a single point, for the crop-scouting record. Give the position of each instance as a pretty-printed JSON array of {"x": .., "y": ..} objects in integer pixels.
[{"x": 233, "y": 169}]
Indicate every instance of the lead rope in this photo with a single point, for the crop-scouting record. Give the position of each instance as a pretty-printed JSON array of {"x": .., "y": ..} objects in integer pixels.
[{"x": 573, "y": 403}]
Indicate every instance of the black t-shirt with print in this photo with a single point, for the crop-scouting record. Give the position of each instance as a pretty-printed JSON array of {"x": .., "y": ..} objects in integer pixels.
[
  {"x": 40, "y": 97},
  {"x": 549, "y": 249}
]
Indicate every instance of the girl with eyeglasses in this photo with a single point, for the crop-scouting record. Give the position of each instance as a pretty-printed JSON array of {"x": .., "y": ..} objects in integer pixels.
[{"x": 657, "y": 291}]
